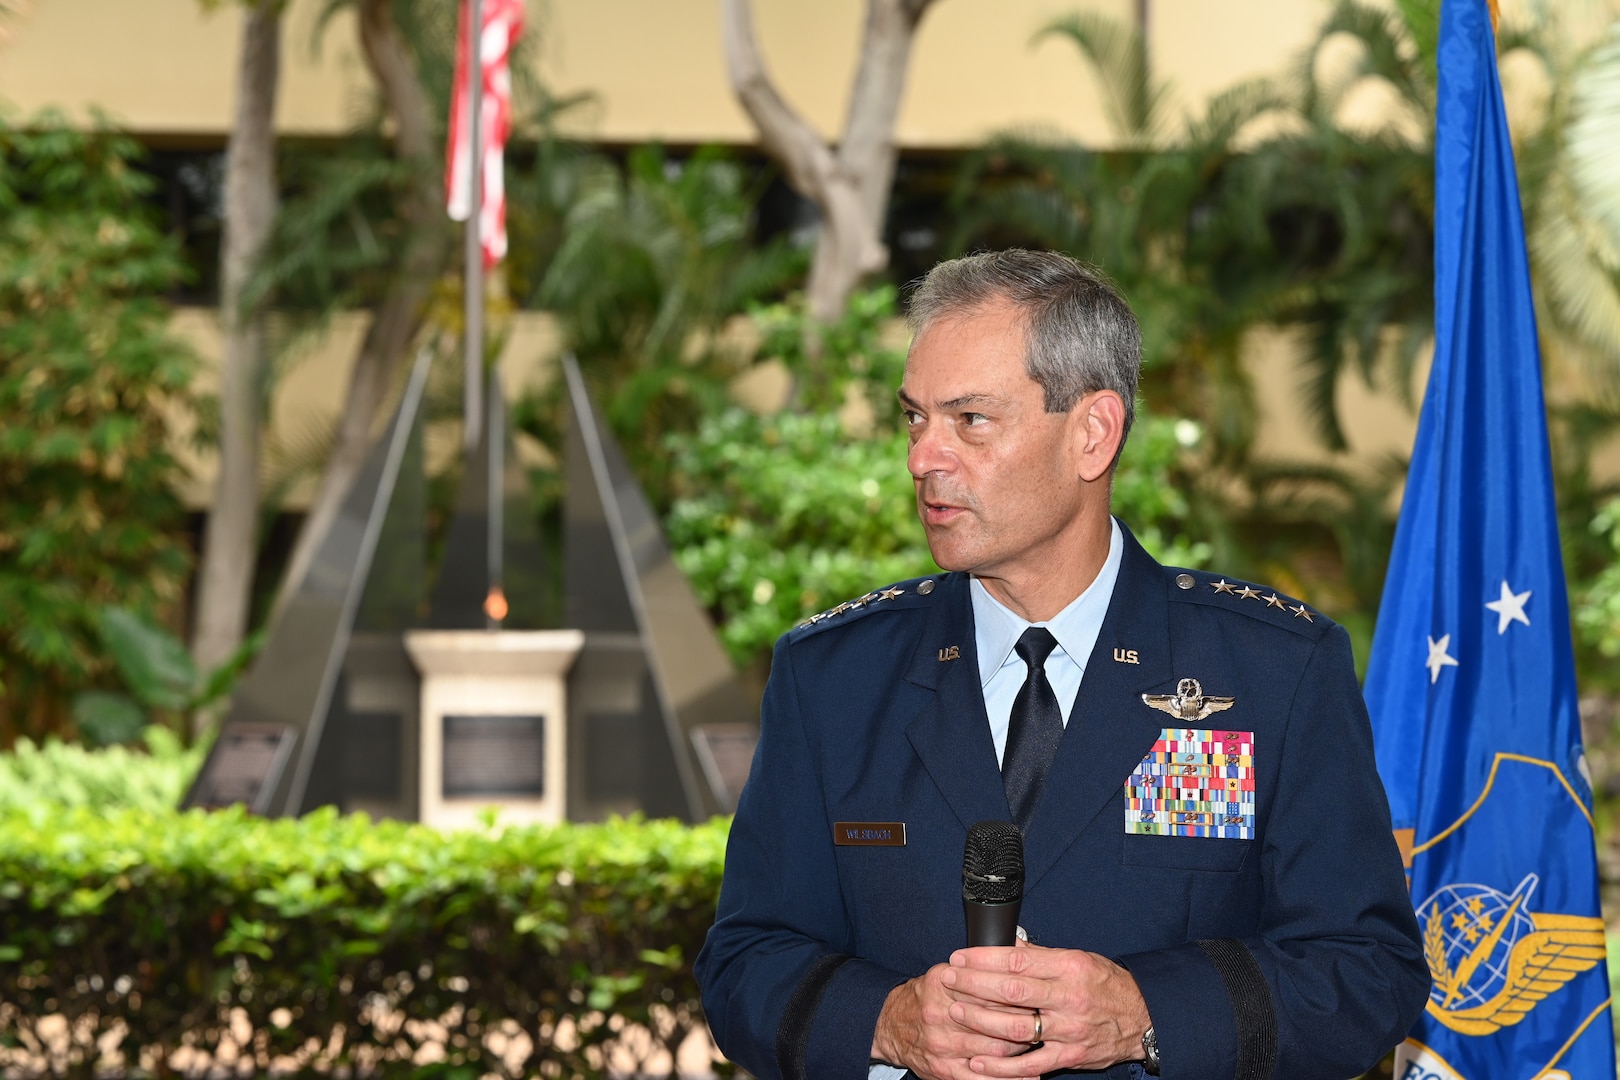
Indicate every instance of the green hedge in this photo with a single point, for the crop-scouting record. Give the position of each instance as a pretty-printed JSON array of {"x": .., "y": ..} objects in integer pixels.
[
  {"x": 56, "y": 774},
  {"x": 139, "y": 940}
]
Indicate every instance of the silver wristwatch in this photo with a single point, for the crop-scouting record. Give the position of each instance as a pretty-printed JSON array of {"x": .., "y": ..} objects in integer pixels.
[{"x": 1150, "y": 1052}]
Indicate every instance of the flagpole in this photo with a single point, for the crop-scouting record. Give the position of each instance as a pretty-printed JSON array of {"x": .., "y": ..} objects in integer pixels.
[{"x": 473, "y": 386}]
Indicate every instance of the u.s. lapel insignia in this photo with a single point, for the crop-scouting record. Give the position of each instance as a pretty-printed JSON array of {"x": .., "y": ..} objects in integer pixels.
[
  {"x": 1127, "y": 656},
  {"x": 950, "y": 652},
  {"x": 1188, "y": 703}
]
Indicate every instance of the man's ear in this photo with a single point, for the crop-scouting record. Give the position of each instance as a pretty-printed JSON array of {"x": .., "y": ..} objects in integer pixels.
[{"x": 1100, "y": 428}]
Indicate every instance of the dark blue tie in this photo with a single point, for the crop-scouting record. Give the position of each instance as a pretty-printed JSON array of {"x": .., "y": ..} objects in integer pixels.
[{"x": 1034, "y": 729}]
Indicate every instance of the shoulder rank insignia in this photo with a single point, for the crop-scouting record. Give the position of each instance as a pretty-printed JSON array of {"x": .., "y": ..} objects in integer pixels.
[
  {"x": 1188, "y": 703},
  {"x": 1249, "y": 592},
  {"x": 850, "y": 605}
]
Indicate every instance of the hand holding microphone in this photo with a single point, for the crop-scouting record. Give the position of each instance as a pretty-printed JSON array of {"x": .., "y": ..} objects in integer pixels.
[
  {"x": 916, "y": 1026},
  {"x": 1094, "y": 1010},
  {"x": 992, "y": 882}
]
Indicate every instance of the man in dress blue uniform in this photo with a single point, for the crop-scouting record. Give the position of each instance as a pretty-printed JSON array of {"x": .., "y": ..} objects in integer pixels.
[{"x": 1212, "y": 888}]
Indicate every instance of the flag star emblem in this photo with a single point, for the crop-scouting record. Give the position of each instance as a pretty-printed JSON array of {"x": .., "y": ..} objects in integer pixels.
[
  {"x": 1509, "y": 608},
  {"x": 1438, "y": 658}
]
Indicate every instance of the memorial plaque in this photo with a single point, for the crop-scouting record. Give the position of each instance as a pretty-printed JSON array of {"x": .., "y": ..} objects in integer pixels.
[
  {"x": 727, "y": 753},
  {"x": 244, "y": 766},
  {"x": 494, "y": 755}
]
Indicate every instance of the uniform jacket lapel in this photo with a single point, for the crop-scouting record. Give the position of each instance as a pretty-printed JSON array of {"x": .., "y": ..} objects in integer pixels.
[
  {"x": 1110, "y": 730},
  {"x": 951, "y": 733}
]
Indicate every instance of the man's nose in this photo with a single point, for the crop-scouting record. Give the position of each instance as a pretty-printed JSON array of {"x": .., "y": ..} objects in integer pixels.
[{"x": 930, "y": 452}]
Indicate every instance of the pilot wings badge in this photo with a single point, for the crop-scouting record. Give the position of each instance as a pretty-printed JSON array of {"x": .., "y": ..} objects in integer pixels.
[
  {"x": 1188, "y": 703},
  {"x": 1493, "y": 961}
]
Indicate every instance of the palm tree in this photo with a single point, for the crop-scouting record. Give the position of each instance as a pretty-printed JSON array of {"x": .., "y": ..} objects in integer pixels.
[
  {"x": 1172, "y": 219},
  {"x": 651, "y": 260}
]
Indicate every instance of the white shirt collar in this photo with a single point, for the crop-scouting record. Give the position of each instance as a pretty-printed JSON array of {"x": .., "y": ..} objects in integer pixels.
[{"x": 996, "y": 629}]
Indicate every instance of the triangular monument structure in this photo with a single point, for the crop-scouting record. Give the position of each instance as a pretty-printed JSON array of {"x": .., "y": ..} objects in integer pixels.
[
  {"x": 657, "y": 718},
  {"x": 333, "y": 711},
  {"x": 327, "y": 714}
]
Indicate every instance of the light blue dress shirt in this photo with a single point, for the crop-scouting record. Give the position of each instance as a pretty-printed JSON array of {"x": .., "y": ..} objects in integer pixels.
[{"x": 1002, "y": 672}]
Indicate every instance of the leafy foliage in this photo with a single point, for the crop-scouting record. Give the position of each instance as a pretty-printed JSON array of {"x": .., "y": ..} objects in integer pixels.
[
  {"x": 90, "y": 384},
  {"x": 856, "y": 353},
  {"x": 651, "y": 262},
  {"x": 782, "y": 516},
  {"x": 1597, "y": 605},
  {"x": 1571, "y": 184},
  {"x": 337, "y": 944},
  {"x": 159, "y": 676},
  {"x": 55, "y": 776}
]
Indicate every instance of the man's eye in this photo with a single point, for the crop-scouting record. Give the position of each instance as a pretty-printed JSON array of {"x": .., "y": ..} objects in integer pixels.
[
  {"x": 912, "y": 417},
  {"x": 974, "y": 419}
]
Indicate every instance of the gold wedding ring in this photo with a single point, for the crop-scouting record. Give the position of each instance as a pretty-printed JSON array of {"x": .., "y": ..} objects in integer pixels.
[{"x": 1037, "y": 1040}]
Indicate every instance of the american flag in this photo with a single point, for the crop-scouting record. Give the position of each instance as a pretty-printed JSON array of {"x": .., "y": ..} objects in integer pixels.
[{"x": 502, "y": 23}]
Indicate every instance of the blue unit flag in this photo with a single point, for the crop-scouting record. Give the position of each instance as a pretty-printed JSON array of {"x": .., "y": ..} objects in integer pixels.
[{"x": 1471, "y": 681}]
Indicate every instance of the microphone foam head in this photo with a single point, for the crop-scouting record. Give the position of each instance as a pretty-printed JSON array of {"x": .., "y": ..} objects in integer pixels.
[{"x": 993, "y": 863}]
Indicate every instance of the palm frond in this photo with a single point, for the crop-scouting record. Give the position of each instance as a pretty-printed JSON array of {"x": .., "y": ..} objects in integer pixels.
[
  {"x": 1422, "y": 19},
  {"x": 1233, "y": 109},
  {"x": 1593, "y": 145},
  {"x": 1385, "y": 52},
  {"x": 1575, "y": 265},
  {"x": 1132, "y": 100}
]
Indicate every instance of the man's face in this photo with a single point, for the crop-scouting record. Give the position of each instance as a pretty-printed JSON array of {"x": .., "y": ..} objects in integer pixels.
[{"x": 998, "y": 478}]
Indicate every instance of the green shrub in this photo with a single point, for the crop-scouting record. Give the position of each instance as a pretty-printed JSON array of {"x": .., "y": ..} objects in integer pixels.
[
  {"x": 91, "y": 382},
  {"x": 1597, "y": 602},
  {"x": 58, "y": 775},
  {"x": 789, "y": 514},
  {"x": 337, "y": 943}
]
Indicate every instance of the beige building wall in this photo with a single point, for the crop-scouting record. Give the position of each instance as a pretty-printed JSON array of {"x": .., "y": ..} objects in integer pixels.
[
  {"x": 309, "y": 388},
  {"x": 167, "y": 66}
]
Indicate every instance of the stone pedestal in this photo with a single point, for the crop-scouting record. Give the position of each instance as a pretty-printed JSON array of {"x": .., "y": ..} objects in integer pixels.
[{"x": 494, "y": 723}]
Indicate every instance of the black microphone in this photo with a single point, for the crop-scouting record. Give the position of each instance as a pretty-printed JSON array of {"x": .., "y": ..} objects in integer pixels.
[{"x": 992, "y": 882}]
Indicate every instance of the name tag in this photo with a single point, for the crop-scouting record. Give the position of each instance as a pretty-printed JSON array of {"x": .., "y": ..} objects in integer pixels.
[{"x": 869, "y": 833}]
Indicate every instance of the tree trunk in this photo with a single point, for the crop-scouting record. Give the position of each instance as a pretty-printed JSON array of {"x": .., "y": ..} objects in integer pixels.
[
  {"x": 225, "y": 578},
  {"x": 398, "y": 317},
  {"x": 849, "y": 184}
]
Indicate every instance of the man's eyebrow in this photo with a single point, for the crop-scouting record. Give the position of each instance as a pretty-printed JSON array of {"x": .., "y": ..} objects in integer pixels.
[{"x": 957, "y": 404}]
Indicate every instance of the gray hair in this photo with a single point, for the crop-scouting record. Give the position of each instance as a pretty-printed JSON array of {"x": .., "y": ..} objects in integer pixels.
[{"x": 1081, "y": 334}]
